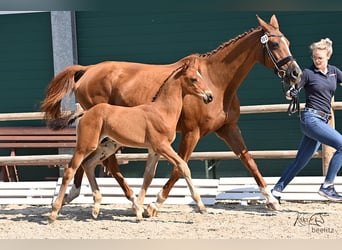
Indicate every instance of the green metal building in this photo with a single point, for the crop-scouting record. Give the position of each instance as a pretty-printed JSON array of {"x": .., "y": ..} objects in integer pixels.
[{"x": 32, "y": 52}]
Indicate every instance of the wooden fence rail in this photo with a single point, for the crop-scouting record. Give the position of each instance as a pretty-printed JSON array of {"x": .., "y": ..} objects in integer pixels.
[
  {"x": 225, "y": 155},
  {"x": 251, "y": 109}
]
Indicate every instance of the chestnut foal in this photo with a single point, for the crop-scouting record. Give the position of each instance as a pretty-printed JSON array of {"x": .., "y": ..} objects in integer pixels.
[{"x": 151, "y": 126}]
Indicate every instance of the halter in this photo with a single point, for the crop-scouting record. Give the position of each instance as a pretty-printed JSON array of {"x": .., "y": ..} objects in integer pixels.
[
  {"x": 277, "y": 65},
  {"x": 294, "y": 104}
]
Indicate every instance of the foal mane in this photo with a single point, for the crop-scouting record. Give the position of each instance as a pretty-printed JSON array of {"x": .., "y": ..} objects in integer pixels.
[
  {"x": 167, "y": 78},
  {"x": 227, "y": 43}
]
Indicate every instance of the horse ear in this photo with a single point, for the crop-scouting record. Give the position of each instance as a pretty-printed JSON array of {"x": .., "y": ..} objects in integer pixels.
[
  {"x": 188, "y": 63},
  {"x": 274, "y": 22},
  {"x": 262, "y": 23}
]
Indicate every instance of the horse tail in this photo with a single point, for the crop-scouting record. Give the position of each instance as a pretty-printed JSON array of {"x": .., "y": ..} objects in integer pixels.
[
  {"x": 64, "y": 121},
  {"x": 59, "y": 86}
]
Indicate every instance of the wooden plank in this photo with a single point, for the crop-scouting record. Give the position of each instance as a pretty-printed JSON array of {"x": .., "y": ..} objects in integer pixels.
[
  {"x": 27, "y": 184},
  {"x": 31, "y": 201},
  {"x": 224, "y": 155},
  {"x": 41, "y": 159},
  {"x": 251, "y": 109},
  {"x": 31, "y": 192},
  {"x": 292, "y": 188},
  {"x": 35, "y": 160},
  {"x": 24, "y": 130},
  {"x": 259, "y": 196},
  {"x": 273, "y": 180},
  {"x": 112, "y": 193},
  {"x": 22, "y": 116},
  {"x": 24, "y": 138},
  {"x": 302, "y": 188},
  {"x": 38, "y": 145},
  {"x": 28, "y": 193}
]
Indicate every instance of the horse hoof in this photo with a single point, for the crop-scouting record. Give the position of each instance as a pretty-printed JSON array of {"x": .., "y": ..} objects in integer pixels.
[
  {"x": 52, "y": 218},
  {"x": 273, "y": 205},
  {"x": 138, "y": 219},
  {"x": 203, "y": 211},
  {"x": 95, "y": 214},
  {"x": 152, "y": 210}
]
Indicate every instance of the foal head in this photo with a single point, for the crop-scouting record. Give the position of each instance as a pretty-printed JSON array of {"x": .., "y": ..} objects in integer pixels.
[
  {"x": 276, "y": 53},
  {"x": 192, "y": 81}
]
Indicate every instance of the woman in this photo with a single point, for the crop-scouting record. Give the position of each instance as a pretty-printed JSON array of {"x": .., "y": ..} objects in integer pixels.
[{"x": 319, "y": 82}]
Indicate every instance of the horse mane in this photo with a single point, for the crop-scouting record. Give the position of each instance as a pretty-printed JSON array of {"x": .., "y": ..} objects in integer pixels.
[
  {"x": 227, "y": 43},
  {"x": 163, "y": 84}
]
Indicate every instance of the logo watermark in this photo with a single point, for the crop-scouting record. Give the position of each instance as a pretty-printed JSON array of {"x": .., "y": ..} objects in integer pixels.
[{"x": 316, "y": 222}]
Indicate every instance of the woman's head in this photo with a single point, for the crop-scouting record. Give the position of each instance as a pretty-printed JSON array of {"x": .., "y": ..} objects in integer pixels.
[{"x": 321, "y": 52}]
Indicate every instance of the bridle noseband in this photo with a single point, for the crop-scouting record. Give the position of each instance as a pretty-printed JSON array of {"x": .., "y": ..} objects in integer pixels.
[{"x": 277, "y": 65}]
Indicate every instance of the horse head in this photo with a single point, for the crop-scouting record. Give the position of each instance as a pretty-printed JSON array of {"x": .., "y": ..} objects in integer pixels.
[
  {"x": 192, "y": 80},
  {"x": 277, "y": 53}
]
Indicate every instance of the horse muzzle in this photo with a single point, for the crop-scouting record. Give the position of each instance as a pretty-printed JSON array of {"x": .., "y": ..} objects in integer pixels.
[
  {"x": 207, "y": 97},
  {"x": 293, "y": 74}
]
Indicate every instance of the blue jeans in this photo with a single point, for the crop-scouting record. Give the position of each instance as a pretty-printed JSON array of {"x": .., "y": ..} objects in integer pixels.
[{"x": 316, "y": 131}]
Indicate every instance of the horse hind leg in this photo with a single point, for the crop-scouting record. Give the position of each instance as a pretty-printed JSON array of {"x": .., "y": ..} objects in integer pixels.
[
  {"x": 97, "y": 197},
  {"x": 106, "y": 148},
  {"x": 69, "y": 173},
  {"x": 75, "y": 190}
]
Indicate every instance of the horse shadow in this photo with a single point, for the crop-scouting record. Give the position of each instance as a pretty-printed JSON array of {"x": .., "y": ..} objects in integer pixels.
[
  {"x": 39, "y": 214},
  {"x": 257, "y": 208}
]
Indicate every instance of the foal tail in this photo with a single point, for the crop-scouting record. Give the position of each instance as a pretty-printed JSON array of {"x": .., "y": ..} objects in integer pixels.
[
  {"x": 64, "y": 121},
  {"x": 59, "y": 86}
]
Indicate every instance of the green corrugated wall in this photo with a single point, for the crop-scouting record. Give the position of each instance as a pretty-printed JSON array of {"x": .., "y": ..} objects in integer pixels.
[{"x": 26, "y": 66}]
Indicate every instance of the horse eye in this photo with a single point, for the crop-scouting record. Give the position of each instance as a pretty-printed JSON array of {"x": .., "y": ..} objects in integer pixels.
[
  {"x": 193, "y": 80},
  {"x": 275, "y": 46}
]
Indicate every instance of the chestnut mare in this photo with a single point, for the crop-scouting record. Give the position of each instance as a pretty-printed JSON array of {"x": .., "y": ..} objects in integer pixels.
[
  {"x": 152, "y": 126},
  {"x": 224, "y": 69}
]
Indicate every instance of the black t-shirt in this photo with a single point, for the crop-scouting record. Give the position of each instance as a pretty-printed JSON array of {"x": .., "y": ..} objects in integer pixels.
[{"x": 319, "y": 87}]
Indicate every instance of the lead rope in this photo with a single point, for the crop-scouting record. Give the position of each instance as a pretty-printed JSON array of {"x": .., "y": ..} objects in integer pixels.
[{"x": 294, "y": 105}]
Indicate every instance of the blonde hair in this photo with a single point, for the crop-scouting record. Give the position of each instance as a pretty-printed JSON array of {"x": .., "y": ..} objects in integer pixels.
[{"x": 323, "y": 44}]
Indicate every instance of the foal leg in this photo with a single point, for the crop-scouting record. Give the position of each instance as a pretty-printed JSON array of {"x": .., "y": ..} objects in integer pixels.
[
  {"x": 69, "y": 173},
  {"x": 106, "y": 148},
  {"x": 103, "y": 151},
  {"x": 187, "y": 146},
  {"x": 97, "y": 197},
  {"x": 175, "y": 159},
  {"x": 150, "y": 170},
  {"x": 232, "y": 136},
  {"x": 75, "y": 190}
]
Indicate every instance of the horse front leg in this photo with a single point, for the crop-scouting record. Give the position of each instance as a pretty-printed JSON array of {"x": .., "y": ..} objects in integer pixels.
[
  {"x": 112, "y": 165},
  {"x": 150, "y": 170},
  {"x": 232, "y": 136},
  {"x": 177, "y": 161},
  {"x": 186, "y": 147}
]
